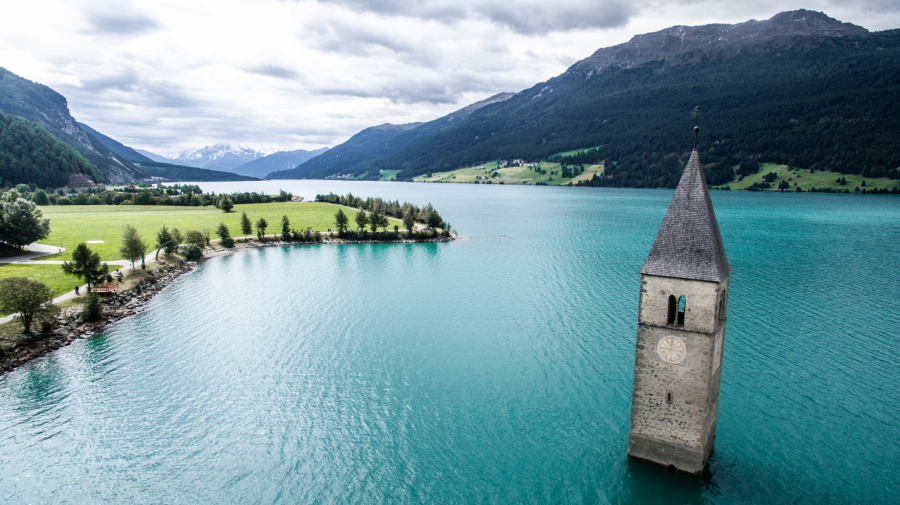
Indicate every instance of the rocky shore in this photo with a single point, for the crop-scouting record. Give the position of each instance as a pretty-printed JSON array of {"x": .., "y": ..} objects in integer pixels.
[{"x": 71, "y": 327}]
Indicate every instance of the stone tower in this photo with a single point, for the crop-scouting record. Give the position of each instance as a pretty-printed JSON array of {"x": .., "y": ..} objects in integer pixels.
[{"x": 681, "y": 330}]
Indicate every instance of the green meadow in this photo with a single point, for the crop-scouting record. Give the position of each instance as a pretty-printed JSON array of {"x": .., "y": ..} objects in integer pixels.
[
  {"x": 511, "y": 175},
  {"x": 73, "y": 224},
  {"x": 51, "y": 275},
  {"x": 573, "y": 153},
  {"x": 806, "y": 180}
]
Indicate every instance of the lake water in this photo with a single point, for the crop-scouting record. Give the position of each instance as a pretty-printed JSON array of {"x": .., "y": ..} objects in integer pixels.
[{"x": 487, "y": 370}]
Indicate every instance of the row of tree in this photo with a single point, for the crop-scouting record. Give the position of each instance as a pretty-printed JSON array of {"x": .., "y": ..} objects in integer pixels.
[{"x": 426, "y": 215}]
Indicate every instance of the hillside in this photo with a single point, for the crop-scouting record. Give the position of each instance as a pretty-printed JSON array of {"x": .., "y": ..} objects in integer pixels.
[
  {"x": 362, "y": 152},
  {"x": 167, "y": 171},
  {"x": 282, "y": 160},
  {"x": 800, "y": 89},
  {"x": 30, "y": 155},
  {"x": 39, "y": 104}
]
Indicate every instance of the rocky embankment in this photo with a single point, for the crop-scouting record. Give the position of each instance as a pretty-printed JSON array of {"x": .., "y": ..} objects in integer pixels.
[{"x": 70, "y": 326}]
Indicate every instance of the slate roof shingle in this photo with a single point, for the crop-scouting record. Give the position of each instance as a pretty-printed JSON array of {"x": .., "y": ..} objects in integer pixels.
[{"x": 688, "y": 244}]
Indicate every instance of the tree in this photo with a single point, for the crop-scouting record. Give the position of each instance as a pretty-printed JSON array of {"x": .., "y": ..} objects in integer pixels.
[
  {"x": 246, "y": 227},
  {"x": 361, "y": 219},
  {"x": 433, "y": 219},
  {"x": 91, "y": 310},
  {"x": 22, "y": 222},
  {"x": 195, "y": 237},
  {"x": 85, "y": 265},
  {"x": 40, "y": 197},
  {"x": 166, "y": 242},
  {"x": 409, "y": 221},
  {"x": 26, "y": 298},
  {"x": 133, "y": 247},
  {"x": 225, "y": 236},
  {"x": 341, "y": 221},
  {"x": 285, "y": 229},
  {"x": 375, "y": 221},
  {"x": 261, "y": 226},
  {"x": 226, "y": 204}
]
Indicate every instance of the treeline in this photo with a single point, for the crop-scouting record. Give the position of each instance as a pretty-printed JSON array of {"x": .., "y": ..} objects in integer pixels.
[
  {"x": 28, "y": 154},
  {"x": 823, "y": 104},
  {"x": 177, "y": 195},
  {"x": 426, "y": 215}
]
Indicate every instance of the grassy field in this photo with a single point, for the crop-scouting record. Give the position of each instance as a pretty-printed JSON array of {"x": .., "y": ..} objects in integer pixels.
[
  {"x": 73, "y": 224},
  {"x": 573, "y": 153},
  {"x": 389, "y": 175},
  {"x": 511, "y": 175},
  {"x": 51, "y": 275},
  {"x": 805, "y": 180}
]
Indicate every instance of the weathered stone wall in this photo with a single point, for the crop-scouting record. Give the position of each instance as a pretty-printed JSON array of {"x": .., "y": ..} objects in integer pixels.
[
  {"x": 679, "y": 431},
  {"x": 701, "y": 299}
]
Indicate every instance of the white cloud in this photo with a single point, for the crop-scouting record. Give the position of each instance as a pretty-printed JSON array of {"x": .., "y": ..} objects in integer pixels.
[{"x": 168, "y": 75}]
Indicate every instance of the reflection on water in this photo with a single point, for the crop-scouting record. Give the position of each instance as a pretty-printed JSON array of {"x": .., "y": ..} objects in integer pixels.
[{"x": 489, "y": 369}]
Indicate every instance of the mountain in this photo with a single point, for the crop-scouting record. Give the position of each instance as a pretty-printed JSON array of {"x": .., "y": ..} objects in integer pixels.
[
  {"x": 39, "y": 104},
  {"x": 115, "y": 146},
  {"x": 166, "y": 171},
  {"x": 30, "y": 155},
  {"x": 219, "y": 157},
  {"x": 154, "y": 157},
  {"x": 363, "y": 150},
  {"x": 282, "y": 160},
  {"x": 800, "y": 88}
]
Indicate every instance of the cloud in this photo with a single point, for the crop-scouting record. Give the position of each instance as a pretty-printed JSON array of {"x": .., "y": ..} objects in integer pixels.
[
  {"x": 121, "y": 23},
  {"x": 529, "y": 16},
  {"x": 273, "y": 71}
]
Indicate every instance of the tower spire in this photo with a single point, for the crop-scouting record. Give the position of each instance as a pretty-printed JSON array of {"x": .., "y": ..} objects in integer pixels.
[{"x": 696, "y": 126}]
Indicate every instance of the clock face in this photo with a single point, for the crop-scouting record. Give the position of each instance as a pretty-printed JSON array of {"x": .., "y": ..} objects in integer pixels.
[{"x": 671, "y": 349}]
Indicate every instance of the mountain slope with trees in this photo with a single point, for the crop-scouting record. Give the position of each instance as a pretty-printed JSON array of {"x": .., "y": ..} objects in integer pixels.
[
  {"x": 30, "y": 155},
  {"x": 362, "y": 152},
  {"x": 800, "y": 89},
  {"x": 40, "y": 104}
]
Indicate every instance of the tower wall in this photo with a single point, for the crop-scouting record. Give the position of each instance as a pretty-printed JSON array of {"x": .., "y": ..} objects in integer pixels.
[{"x": 674, "y": 406}]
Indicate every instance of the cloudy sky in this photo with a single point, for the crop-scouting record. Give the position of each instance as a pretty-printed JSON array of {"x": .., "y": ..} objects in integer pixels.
[{"x": 169, "y": 75}]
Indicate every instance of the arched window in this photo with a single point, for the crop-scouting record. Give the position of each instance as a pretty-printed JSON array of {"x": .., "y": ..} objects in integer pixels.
[
  {"x": 670, "y": 316},
  {"x": 722, "y": 306},
  {"x": 682, "y": 302}
]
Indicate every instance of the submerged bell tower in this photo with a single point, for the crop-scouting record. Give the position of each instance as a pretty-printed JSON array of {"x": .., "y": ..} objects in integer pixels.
[{"x": 680, "y": 333}]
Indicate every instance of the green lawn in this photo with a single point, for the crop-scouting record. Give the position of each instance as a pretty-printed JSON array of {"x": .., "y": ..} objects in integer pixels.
[
  {"x": 51, "y": 275},
  {"x": 389, "y": 175},
  {"x": 573, "y": 153},
  {"x": 805, "y": 180},
  {"x": 511, "y": 175},
  {"x": 75, "y": 224}
]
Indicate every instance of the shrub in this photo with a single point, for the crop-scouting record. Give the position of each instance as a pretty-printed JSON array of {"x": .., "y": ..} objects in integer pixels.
[
  {"x": 63, "y": 201},
  {"x": 192, "y": 252},
  {"x": 94, "y": 200},
  {"x": 40, "y": 197},
  {"x": 195, "y": 237},
  {"x": 91, "y": 311}
]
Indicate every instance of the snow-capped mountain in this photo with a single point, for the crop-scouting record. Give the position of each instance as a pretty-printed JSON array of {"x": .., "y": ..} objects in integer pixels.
[{"x": 219, "y": 157}]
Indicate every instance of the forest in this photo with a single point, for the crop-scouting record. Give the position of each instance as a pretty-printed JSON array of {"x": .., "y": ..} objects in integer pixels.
[{"x": 28, "y": 154}]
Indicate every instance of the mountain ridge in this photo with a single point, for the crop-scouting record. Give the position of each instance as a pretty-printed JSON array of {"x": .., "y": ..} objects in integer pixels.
[
  {"x": 38, "y": 103},
  {"x": 383, "y": 140}
]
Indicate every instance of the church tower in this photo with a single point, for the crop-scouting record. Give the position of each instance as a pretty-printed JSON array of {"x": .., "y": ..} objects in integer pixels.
[{"x": 680, "y": 333}]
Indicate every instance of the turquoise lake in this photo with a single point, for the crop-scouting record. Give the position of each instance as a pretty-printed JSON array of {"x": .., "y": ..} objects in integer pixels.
[{"x": 495, "y": 369}]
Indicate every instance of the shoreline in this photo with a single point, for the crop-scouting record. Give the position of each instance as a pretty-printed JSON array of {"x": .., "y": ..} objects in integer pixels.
[{"x": 130, "y": 302}]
